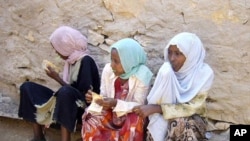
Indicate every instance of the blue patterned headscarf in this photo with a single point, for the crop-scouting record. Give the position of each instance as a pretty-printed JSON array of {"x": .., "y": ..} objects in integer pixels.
[{"x": 133, "y": 59}]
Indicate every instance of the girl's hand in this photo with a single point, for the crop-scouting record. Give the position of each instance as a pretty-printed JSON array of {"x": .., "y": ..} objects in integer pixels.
[
  {"x": 52, "y": 73},
  {"x": 107, "y": 103},
  {"x": 146, "y": 110},
  {"x": 88, "y": 96}
]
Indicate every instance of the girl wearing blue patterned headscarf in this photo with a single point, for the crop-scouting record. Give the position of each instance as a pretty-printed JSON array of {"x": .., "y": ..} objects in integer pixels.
[
  {"x": 124, "y": 84},
  {"x": 133, "y": 59}
]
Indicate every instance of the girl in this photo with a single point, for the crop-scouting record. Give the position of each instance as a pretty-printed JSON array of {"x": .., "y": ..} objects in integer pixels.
[
  {"x": 80, "y": 72},
  {"x": 124, "y": 84},
  {"x": 176, "y": 103}
]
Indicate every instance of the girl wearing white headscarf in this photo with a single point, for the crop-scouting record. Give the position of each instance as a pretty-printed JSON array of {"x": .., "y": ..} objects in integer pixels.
[
  {"x": 122, "y": 88},
  {"x": 80, "y": 73},
  {"x": 176, "y": 102}
]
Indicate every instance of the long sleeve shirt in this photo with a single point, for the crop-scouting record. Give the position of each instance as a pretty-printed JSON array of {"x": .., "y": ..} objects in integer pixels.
[
  {"x": 196, "y": 106},
  {"x": 136, "y": 96}
]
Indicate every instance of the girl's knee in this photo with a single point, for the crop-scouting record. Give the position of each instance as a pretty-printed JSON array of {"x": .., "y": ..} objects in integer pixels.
[{"x": 65, "y": 92}]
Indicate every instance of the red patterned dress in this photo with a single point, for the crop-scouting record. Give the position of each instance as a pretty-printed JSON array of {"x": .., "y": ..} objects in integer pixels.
[{"x": 108, "y": 127}]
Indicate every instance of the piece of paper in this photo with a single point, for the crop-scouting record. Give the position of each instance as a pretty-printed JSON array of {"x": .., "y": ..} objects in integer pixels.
[{"x": 95, "y": 108}]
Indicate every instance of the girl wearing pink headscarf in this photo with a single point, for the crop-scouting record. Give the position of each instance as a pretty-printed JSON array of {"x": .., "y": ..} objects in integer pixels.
[{"x": 80, "y": 73}]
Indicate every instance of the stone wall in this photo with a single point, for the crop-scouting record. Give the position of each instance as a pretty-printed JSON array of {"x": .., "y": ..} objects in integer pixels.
[{"x": 223, "y": 26}]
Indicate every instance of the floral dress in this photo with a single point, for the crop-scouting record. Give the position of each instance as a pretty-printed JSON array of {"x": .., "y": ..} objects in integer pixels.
[{"x": 107, "y": 126}]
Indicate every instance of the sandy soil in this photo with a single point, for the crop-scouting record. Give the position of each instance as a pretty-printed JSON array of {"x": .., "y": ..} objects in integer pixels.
[{"x": 19, "y": 130}]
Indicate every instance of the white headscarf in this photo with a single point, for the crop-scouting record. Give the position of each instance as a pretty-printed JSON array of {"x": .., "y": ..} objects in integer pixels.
[{"x": 194, "y": 77}]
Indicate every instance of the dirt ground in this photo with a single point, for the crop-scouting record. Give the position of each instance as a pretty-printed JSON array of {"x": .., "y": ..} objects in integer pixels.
[{"x": 19, "y": 130}]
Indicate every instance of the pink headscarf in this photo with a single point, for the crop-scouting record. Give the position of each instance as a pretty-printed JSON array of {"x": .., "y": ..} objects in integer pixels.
[{"x": 71, "y": 43}]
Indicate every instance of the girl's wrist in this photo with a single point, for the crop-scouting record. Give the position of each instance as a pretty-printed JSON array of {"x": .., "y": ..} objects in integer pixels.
[{"x": 114, "y": 103}]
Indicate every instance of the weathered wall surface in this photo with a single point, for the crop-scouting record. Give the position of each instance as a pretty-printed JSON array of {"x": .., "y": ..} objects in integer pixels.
[{"x": 222, "y": 25}]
